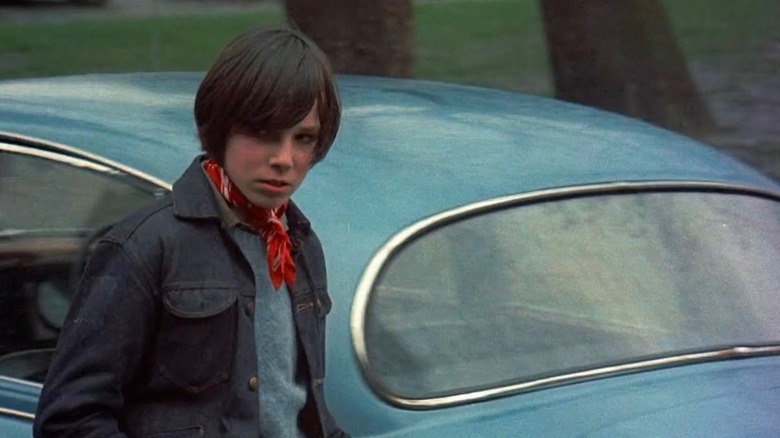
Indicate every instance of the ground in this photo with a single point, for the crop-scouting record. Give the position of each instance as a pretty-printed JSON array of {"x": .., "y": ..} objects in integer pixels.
[
  {"x": 743, "y": 90},
  {"x": 744, "y": 95}
]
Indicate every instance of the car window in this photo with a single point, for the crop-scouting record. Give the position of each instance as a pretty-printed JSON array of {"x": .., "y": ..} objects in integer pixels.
[
  {"x": 50, "y": 207},
  {"x": 557, "y": 287}
]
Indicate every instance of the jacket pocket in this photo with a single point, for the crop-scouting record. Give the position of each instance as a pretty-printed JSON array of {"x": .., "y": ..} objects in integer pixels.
[
  {"x": 196, "y": 340},
  {"x": 311, "y": 307}
]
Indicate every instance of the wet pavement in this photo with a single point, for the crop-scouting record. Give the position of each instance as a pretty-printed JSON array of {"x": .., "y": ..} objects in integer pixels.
[{"x": 742, "y": 90}]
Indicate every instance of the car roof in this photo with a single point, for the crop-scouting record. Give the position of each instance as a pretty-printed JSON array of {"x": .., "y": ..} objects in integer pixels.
[
  {"x": 484, "y": 139},
  {"x": 406, "y": 149}
]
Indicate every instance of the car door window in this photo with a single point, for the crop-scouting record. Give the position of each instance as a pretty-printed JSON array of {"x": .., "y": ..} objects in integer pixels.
[
  {"x": 50, "y": 207},
  {"x": 537, "y": 291}
]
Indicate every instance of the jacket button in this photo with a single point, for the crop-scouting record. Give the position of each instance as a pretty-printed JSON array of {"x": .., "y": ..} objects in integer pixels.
[
  {"x": 253, "y": 384},
  {"x": 250, "y": 309}
]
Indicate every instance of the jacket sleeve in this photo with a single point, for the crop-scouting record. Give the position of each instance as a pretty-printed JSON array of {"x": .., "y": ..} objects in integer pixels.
[{"x": 105, "y": 336}]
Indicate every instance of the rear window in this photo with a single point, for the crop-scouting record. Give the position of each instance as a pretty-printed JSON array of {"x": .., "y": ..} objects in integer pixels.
[{"x": 550, "y": 288}]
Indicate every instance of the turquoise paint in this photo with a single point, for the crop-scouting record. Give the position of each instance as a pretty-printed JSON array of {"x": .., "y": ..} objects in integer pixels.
[{"x": 410, "y": 149}]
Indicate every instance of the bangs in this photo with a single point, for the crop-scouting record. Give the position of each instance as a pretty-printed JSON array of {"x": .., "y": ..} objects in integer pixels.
[
  {"x": 279, "y": 96},
  {"x": 266, "y": 80}
]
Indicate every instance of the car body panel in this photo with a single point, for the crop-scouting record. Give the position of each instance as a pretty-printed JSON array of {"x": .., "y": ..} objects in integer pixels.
[
  {"x": 505, "y": 138},
  {"x": 386, "y": 172},
  {"x": 17, "y": 403},
  {"x": 24, "y": 393},
  {"x": 734, "y": 398}
]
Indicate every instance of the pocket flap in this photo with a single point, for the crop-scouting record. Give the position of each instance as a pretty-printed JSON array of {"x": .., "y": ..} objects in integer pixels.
[
  {"x": 199, "y": 302},
  {"x": 324, "y": 303}
]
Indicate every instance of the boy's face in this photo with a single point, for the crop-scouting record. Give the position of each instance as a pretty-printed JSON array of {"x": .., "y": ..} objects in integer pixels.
[{"x": 269, "y": 166}]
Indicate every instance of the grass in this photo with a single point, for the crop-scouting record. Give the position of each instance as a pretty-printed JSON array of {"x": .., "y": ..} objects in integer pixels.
[
  {"x": 497, "y": 43},
  {"x": 138, "y": 44}
]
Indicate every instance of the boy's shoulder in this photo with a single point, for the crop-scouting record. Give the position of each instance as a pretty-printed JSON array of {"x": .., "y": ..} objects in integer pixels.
[{"x": 154, "y": 217}]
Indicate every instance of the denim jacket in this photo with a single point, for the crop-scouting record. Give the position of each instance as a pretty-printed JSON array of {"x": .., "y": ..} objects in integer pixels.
[{"x": 159, "y": 341}]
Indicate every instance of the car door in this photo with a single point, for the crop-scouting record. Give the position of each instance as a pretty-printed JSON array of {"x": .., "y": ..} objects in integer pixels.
[{"x": 53, "y": 205}]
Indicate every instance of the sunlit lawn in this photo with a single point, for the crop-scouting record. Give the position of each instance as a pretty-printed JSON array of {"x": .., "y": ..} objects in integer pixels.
[{"x": 498, "y": 43}]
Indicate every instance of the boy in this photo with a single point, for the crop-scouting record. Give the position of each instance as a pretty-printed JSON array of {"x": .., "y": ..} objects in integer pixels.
[{"x": 203, "y": 314}]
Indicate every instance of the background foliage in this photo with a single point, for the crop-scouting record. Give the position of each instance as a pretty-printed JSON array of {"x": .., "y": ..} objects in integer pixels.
[{"x": 497, "y": 43}]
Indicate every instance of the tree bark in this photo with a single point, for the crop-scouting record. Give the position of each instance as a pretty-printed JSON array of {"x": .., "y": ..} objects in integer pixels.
[
  {"x": 368, "y": 37},
  {"x": 622, "y": 56}
]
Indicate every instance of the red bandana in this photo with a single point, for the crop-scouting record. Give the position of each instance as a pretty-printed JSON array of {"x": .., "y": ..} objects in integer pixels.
[{"x": 280, "y": 263}]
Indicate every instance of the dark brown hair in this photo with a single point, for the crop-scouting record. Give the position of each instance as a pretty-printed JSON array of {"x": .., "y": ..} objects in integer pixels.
[{"x": 266, "y": 80}]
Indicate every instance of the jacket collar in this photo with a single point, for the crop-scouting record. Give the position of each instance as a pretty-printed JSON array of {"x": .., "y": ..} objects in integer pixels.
[
  {"x": 192, "y": 194},
  {"x": 296, "y": 221},
  {"x": 194, "y": 198}
]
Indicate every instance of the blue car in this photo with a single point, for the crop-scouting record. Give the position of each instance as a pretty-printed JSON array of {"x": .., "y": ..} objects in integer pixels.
[{"x": 500, "y": 264}]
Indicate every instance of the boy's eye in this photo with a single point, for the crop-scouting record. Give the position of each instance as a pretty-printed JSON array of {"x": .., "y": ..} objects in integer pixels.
[{"x": 307, "y": 138}]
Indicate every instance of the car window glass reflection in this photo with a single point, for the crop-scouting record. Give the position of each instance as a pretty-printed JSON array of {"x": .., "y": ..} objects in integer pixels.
[
  {"x": 49, "y": 210},
  {"x": 557, "y": 287},
  {"x": 44, "y": 195}
]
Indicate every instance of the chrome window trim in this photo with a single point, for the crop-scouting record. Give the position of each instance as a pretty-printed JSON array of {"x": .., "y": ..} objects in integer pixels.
[
  {"x": 73, "y": 156},
  {"x": 17, "y": 414},
  {"x": 400, "y": 239},
  {"x": 13, "y": 412},
  {"x": 53, "y": 156},
  {"x": 736, "y": 352},
  {"x": 21, "y": 382}
]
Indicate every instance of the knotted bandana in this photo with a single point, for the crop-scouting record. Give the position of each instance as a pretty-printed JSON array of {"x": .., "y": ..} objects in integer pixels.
[{"x": 267, "y": 222}]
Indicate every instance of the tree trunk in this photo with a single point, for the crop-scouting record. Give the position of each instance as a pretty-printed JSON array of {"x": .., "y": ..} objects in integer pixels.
[
  {"x": 622, "y": 56},
  {"x": 369, "y": 37}
]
